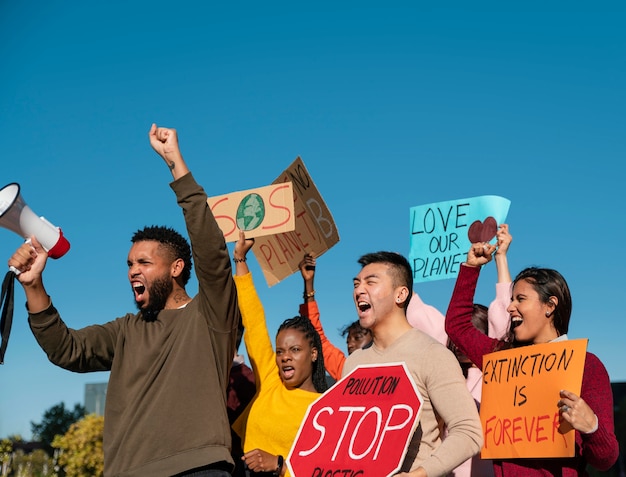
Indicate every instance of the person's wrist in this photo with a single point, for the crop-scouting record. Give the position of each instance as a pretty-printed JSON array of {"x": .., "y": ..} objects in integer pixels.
[
  {"x": 279, "y": 465},
  {"x": 239, "y": 260},
  {"x": 595, "y": 427}
]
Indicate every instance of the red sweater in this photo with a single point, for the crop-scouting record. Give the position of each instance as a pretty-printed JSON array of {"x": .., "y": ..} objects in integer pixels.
[{"x": 599, "y": 449}]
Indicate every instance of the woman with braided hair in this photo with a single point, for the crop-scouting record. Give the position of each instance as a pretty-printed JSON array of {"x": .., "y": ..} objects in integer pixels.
[{"x": 288, "y": 380}]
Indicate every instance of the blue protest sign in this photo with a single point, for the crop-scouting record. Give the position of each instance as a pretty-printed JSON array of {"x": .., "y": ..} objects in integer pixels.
[{"x": 441, "y": 233}]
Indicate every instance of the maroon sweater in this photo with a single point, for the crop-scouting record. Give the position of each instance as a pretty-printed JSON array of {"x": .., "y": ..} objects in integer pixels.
[{"x": 598, "y": 449}]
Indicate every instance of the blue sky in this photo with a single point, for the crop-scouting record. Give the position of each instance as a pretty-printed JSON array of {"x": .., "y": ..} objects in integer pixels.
[{"x": 390, "y": 105}]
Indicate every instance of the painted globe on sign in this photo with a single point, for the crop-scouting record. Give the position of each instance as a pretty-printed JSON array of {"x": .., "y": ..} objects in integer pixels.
[{"x": 251, "y": 212}]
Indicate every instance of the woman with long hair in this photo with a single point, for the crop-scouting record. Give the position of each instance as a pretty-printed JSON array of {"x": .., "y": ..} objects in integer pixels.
[
  {"x": 539, "y": 311},
  {"x": 288, "y": 380}
]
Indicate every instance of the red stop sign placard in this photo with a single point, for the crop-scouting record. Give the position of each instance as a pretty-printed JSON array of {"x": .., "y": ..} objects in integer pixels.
[{"x": 360, "y": 427}]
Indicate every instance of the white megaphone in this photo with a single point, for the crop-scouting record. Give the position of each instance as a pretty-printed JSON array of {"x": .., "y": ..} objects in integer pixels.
[{"x": 15, "y": 215}]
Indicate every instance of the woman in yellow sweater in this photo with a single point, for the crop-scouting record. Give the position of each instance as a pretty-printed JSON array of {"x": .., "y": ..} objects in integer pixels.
[{"x": 287, "y": 380}]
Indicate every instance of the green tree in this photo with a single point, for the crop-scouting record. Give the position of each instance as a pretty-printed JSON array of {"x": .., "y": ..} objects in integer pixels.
[
  {"x": 34, "y": 464},
  {"x": 6, "y": 449},
  {"x": 80, "y": 449},
  {"x": 56, "y": 421},
  {"x": 16, "y": 462}
]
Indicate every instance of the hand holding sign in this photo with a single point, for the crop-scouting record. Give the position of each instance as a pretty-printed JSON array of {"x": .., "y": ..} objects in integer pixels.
[
  {"x": 575, "y": 413},
  {"x": 504, "y": 239},
  {"x": 518, "y": 418},
  {"x": 480, "y": 254}
]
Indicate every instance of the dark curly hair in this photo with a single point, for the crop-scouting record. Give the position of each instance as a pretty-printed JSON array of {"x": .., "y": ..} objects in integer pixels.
[
  {"x": 175, "y": 244},
  {"x": 304, "y": 325},
  {"x": 356, "y": 327}
]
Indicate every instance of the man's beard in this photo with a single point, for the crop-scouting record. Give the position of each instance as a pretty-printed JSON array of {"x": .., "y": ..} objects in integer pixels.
[{"x": 158, "y": 291}]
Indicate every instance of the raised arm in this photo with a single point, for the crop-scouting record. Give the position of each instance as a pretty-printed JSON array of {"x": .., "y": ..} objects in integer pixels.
[
  {"x": 240, "y": 254},
  {"x": 217, "y": 295},
  {"x": 471, "y": 341},
  {"x": 502, "y": 265},
  {"x": 165, "y": 142},
  {"x": 334, "y": 358},
  {"x": 498, "y": 315},
  {"x": 257, "y": 338}
]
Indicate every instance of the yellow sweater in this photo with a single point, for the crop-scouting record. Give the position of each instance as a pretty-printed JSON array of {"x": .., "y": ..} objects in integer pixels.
[{"x": 272, "y": 419}]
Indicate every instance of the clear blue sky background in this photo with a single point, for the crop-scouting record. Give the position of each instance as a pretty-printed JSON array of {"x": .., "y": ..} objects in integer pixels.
[{"x": 389, "y": 104}]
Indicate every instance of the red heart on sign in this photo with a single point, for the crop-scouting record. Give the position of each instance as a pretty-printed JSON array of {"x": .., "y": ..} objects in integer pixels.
[{"x": 482, "y": 231}]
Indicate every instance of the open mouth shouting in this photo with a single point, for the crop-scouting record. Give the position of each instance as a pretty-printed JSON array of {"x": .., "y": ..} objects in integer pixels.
[
  {"x": 516, "y": 321},
  {"x": 139, "y": 290},
  {"x": 363, "y": 306},
  {"x": 288, "y": 372}
]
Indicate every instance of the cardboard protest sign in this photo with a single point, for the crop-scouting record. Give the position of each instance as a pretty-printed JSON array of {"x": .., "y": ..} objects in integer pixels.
[
  {"x": 520, "y": 393},
  {"x": 315, "y": 231},
  {"x": 361, "y": 426},
  {"x": 441, "y": 233},
  {"x": 261, "y": 211}
]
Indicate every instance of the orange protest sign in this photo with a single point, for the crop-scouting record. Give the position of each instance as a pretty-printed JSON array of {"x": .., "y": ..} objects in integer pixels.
[
  {"x": 315, "y": 230},
  {"x": 520, "y": 393},
  {"x": 261, "y": 211}
]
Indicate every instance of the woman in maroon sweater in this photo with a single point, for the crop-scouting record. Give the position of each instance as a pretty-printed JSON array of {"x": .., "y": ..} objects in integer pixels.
[{"x": 540, "y": 311}]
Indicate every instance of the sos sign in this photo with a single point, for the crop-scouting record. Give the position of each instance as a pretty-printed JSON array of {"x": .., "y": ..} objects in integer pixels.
[
  {"x": 262, "y": 211},
  {"x": 360, "y": 427}
]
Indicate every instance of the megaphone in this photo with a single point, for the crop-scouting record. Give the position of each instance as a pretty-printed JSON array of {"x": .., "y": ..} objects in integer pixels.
[{"x": 16, "y": 216}]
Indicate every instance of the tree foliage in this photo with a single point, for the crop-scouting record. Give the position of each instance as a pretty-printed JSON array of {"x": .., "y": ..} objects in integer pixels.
[
  {"x": 56, "y": 421},
  {"x": 81, "y": 451},
  {"x": 16, "y": 462},
  {"x": 34, "y": 464},
  {"x": 6, "y": 448}
]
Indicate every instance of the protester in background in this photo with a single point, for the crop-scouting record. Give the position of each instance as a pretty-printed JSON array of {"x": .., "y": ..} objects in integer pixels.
[
  {"x": 426, "y": 318},
  {"x": 492, "y": 321},
  {"x": 475, "y": 466},
  {"x": 382, "y": 291},
  {"x": 241, "y": 389},
  {"x": 540, "y": 311},
  {"x": 357, "y": 336},
  {"x": 288, "y": 381},
  {"x": 169, "y": 363},
  {"x": 498, "y": 315}
]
